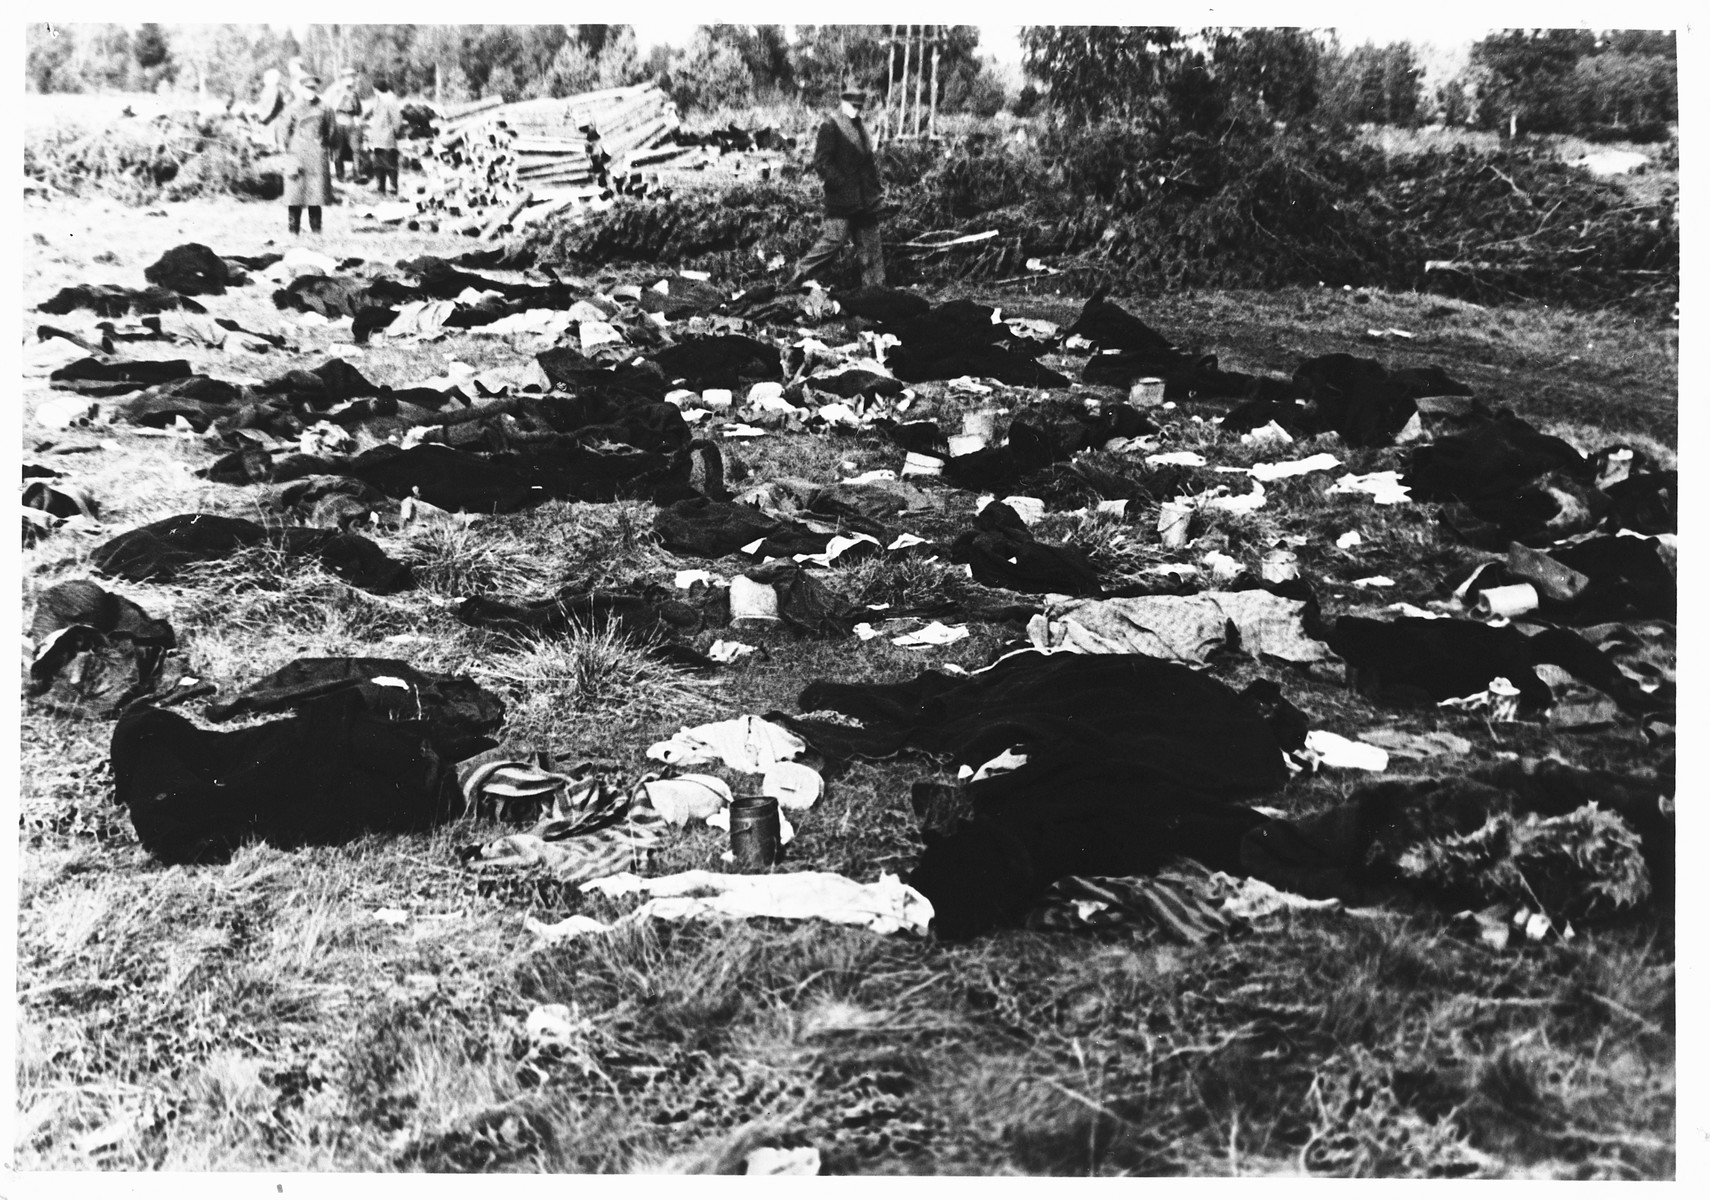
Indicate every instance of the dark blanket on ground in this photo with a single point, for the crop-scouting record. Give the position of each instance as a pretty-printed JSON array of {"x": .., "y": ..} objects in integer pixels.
[
  {"x": 333, "y": 772},
  {"x": 460, "y": 715},
  {"x": 1130, "y": 760},
  {"x": 95, "y": 652},
  {"x": 162, "y": 549}
]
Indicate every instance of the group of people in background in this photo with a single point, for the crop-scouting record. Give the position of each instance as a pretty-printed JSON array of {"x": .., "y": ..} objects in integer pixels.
[{"x": 320, "y": 133}]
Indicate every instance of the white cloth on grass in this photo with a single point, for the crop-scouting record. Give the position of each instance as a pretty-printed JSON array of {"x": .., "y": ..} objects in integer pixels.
[{"x": 884, "y": 907}]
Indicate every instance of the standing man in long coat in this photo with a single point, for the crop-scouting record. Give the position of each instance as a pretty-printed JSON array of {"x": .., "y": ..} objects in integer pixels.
[
  {"x": 843, "y": 158},
  {"x": 310, "y": 131}
]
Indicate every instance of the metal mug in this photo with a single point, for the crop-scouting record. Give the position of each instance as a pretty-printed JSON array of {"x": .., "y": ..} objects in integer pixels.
[{"x": 755, "y": 835}]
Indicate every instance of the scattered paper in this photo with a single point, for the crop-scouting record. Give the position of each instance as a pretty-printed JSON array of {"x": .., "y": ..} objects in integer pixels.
[
  {"x": 1268, "y": 434},
  {"x": 571, "y": 927},
  {"x": 1176, "y": 458},
  {"x": 1288, "y": 470},
  {"x": 1349, "y": 540},
  {"x": 935, "y": 634},
  {"x": 1333, "y": 750},
  {"x": 1385, "y": 487},
  {"x": 729, "y": 652}
]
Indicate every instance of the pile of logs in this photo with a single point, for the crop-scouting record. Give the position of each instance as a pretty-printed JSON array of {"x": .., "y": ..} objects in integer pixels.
[{"x": 554, "y": 152}]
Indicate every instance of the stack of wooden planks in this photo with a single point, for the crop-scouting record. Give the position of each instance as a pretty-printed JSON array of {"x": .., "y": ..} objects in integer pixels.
[{"x": 554, "y": 151}]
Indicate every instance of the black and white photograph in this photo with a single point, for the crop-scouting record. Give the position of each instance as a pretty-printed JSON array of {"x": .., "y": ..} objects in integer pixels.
[{"x": 852, "y": 599}]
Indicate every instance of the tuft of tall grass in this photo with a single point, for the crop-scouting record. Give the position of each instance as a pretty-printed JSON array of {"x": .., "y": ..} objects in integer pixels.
[{"x": 455, "y": 559}]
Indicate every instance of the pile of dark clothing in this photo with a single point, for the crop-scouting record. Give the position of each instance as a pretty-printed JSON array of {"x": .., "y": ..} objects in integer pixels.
[
  {"x": 1125, "y": 349},
  {"x": 111, "y": 300},
  {"x": 734, "y": 137},
  {"x": 164, "y": 548},
  {"x": 1371, "y": 845},
  {"x": 721, "y": 361},
  {"x": 1600, "y": 579},
  {"x": 708, "y": 528},
  {"x": 960, "y": 337},
  {"x": 372, "y": 302},
  {"x": 1129, "y": 761},
  {"x": 95, "y": 652},
  {"x": 93, "y": 377},
  {"x": 1003, "y": 552},
  {"x": 370, "y": 747},
  {"x": 1500, "y": 480},
  {"x": 1112, "y": 765},
  {"x": 1031, "y": 444},
  {"x": 1359, "y": 399},
  {"x": 1414, "y": 660},
  {"x": 192, "y": 270}
]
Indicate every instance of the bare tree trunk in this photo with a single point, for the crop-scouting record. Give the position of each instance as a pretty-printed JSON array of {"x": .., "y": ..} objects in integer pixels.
[
  {"x": 932, "y": 112},
  {"x": 902, "y": 99},
  {"x": 890, "y": 81}
]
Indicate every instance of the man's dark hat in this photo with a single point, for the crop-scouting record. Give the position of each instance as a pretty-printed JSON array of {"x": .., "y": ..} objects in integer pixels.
[{"x": 854, "y": 95}]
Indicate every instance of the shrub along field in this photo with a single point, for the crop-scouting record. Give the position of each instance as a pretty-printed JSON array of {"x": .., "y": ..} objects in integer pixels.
[
  {"x": 259, "y": 1015},
  {"x": 1115, "y": 205}
]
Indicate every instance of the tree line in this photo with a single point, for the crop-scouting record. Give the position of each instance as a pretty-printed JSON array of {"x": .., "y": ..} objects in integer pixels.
[
  {"x": 1524, "y": 80},
  {"x": 1521, "y": 80},
  {"x": 722, "y": 65}
]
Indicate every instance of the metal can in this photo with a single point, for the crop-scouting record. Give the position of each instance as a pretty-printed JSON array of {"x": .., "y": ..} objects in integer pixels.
[
  {"x": 1146, "y": 393},
  {"x": 755, "y": 835},
  {"x": 1279, "y": 566}
]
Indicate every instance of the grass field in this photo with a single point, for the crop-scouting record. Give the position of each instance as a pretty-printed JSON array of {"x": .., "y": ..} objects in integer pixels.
[{"x": 258, "y": 1015}]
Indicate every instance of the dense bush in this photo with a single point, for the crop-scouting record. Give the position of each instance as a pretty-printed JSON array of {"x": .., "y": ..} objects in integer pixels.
[{"x": 1145, "y": 211}]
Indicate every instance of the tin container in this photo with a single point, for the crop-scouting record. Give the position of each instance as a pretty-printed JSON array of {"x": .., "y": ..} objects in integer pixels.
[
  {"x": 1512, "y": 601},
  {"x": 1279, "y": 566},
  {"x": 1173, "y": 522},
  {"x": 1146, "y": 393},
  {"x": 752, "y": 603},
  {"x": 755, "y": 835},
  {"x": 922, "y": 464},
  {"x": 983, "y": 423}
]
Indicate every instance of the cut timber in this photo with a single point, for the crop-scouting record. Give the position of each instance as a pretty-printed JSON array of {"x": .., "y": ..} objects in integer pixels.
[{"x": 493, "y": 227}]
